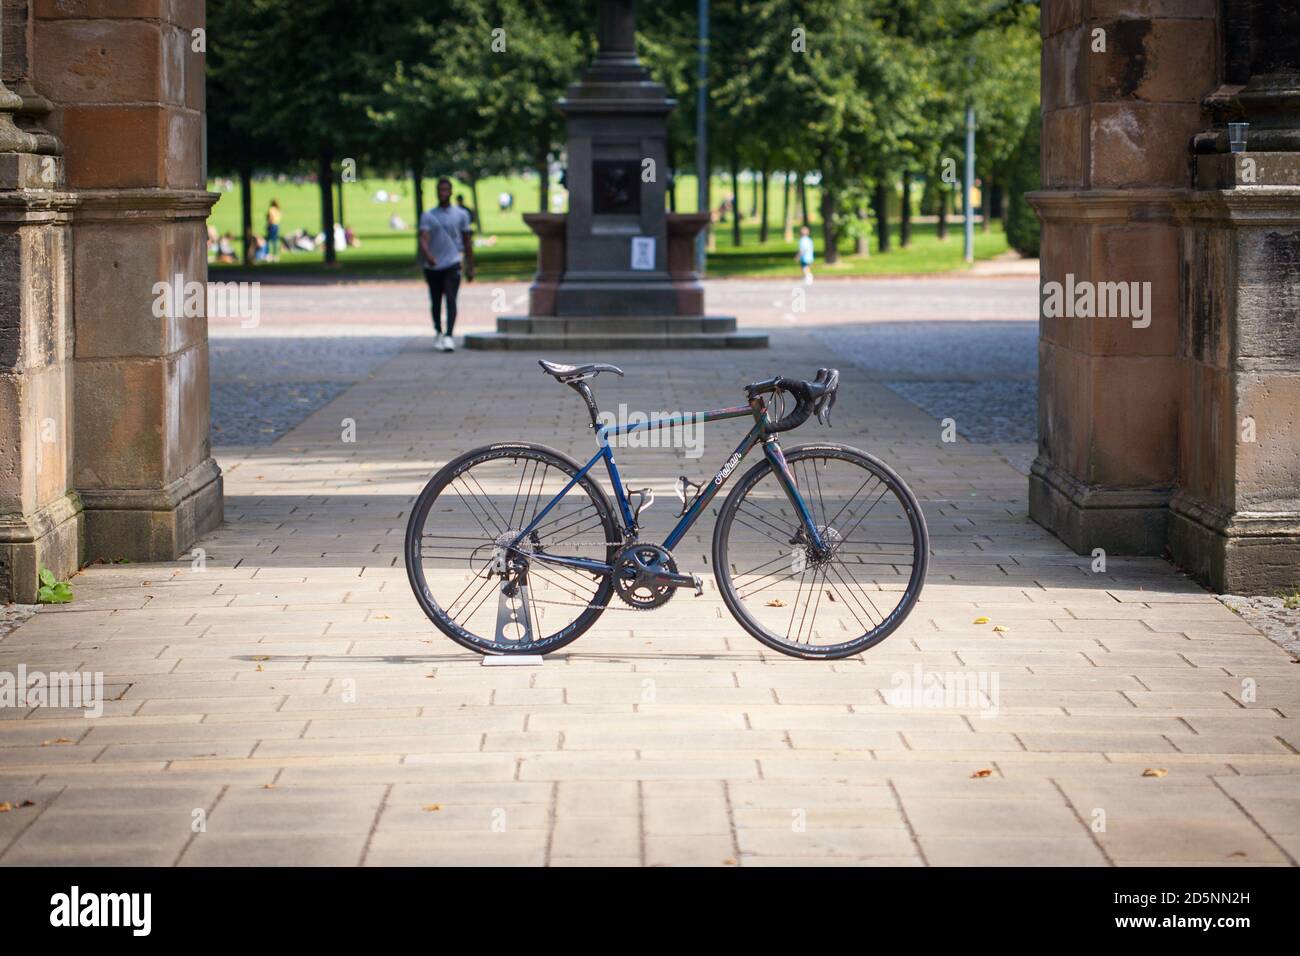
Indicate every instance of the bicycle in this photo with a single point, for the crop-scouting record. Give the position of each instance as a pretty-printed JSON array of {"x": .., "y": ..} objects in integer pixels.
[{"x": 485, "y": 526}]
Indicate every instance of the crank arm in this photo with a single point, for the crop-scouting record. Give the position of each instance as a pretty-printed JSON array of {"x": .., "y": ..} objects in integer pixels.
[{"x": 669, "y": 579}]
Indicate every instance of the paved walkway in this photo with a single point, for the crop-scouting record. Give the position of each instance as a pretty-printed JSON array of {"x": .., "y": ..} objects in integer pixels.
[{"x": 284, "y": 701}]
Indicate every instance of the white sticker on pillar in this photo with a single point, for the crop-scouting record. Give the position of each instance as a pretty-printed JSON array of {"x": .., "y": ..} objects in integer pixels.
[{"x": 643, "y": 253}]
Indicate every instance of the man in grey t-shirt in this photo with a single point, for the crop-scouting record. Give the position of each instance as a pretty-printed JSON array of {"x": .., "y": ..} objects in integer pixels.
[{"x": 446, "y": 240}]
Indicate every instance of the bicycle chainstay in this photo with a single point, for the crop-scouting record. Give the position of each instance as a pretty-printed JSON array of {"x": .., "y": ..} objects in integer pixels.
[{"x": 614, "y": 603}]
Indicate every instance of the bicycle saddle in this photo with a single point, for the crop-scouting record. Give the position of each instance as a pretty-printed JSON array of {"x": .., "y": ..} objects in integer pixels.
[{"x": 576, "y": 373}]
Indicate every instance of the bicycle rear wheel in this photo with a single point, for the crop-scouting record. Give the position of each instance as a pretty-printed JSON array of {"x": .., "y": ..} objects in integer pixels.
[
  {"x": 833, "y": 605},
  {"x": 491, "y": 601}
]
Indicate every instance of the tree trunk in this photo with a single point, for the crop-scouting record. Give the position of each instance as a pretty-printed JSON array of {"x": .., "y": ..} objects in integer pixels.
[
  {"x": 762, "y": 226},
  {"x": 787, "y": 224},
  {"x": 997, "y": 198},
  {"x": 905, "y": 215},
  {"x": 735, "y": 200},
  {"x": 753, "y": 196},
  {"x": 473, "y": 198},
  {"x": 246, "y": 213},
  {"x": 417, "y": 181},
  {"x": 832, "y": 253},
  {"x": 942, "y": 231},
  {"x": 861, "y": 244},
  {"x": 325, "y": 177},
  {"x": 986, "y": 204},
  {"x": 544, "y": 186},
  {"x": 803, "y": 200},
  {"x": 882, "y": 215},
  {"x": 339, "y": 188}
]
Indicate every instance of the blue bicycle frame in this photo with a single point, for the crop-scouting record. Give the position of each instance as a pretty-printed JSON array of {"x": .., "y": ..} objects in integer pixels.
[{"x": 758, "y": 434}]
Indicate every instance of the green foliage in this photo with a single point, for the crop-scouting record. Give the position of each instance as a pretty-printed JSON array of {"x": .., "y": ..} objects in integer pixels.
[
  {"x": 1023, "y": 177},
  {"x": 852, "y": 92},
  {"x": 52, "y": 590}
]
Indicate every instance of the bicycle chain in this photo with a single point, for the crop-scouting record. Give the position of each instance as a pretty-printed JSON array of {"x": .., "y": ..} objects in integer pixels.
[{"x": 613, "y": 604}]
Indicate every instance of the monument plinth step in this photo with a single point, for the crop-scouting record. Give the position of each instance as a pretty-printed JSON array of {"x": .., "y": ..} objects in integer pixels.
[{"x": 536, "y": 333}]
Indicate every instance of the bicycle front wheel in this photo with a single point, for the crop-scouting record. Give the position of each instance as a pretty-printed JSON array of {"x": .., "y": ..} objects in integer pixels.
[
  {"x": 834, "y": 604},
  {"x": 487, "y": 596}
]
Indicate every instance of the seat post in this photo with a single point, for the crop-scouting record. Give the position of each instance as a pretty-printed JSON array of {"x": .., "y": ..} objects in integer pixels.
[{"x": 583, "y": 389}]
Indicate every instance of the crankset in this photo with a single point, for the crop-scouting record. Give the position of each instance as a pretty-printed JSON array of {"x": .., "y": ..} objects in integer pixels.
[{"x": 645, "y": 576}]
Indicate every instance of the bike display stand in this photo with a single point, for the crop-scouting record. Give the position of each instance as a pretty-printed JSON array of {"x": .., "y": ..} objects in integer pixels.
[{"x": 513, "y": 660}]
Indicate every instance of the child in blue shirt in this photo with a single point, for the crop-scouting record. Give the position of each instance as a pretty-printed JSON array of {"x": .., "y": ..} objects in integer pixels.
[{"x": 805, "y": 256}]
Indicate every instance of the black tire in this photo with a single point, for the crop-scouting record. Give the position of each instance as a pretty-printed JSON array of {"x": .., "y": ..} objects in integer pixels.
[
  {"x": 768, "y": 527},
  {"x": 469, "y": 499}
]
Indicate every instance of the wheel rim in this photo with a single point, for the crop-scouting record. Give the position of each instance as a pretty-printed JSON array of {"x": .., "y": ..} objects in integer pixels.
[
  {"x": 821, "y": 603},
  {"x": 467, "y": 578}
]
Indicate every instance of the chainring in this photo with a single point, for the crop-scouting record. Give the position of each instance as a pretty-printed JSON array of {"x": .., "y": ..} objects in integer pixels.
[{"x": 630, "y": 582}]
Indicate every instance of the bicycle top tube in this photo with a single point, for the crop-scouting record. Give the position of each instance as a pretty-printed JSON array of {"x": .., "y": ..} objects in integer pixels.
[{"x": 712, "y": 415}]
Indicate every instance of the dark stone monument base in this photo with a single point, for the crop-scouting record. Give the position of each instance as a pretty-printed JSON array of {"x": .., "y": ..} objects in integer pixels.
[{"x": 538, "y": 332}]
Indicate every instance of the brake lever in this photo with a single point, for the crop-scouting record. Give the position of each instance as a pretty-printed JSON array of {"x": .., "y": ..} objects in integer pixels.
[{"x": 830, "y": 378}]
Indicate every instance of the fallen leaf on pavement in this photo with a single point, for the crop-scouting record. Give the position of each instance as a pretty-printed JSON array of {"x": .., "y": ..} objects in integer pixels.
[
  {"x": 1154, "y": 772},
  {"x": 981, "y": 620},
  {"x": 432, "y": 807},
  {"x": 776, "y": 602},
  {"x": 981, "y": 773}
]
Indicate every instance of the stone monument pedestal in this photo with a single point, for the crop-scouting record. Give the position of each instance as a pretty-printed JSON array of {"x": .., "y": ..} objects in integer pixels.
[
  {"x": 681, "y": 323},
  {"x": 616, "y": 271}
]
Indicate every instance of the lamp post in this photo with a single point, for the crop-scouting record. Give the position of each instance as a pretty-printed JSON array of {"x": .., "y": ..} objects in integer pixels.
[
  {"x": 702, "y": 133},
  {"x": 968, "y": 185}
]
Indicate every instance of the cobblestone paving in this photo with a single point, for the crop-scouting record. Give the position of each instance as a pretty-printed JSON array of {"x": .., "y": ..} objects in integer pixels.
[
  {"x": 262, "y": 386},
  {"x": 984, "y": 412},
  {"x": 1275, "y": 617},
  {"x": 12, "y": 615},
  {"x": 291, "y": 690}
]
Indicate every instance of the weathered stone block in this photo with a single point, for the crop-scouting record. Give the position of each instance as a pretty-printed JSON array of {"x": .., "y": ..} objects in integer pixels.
[
  {"x": 1153, "y": 61},
  {"x": 121, "y": 423},
  {"x": 1141, "y": 144},
  {"x": 1267, "y": 476},
  {"x": 1064, "y": 70},
  {"x": 1164, "y": 9},
  {"x": 1065, "y": 148},
  {"x": 1122, "y": 260},
  {"x": 103, "y": 61},
  {"x": 1134, "y": 415},
  {"x": 1060, "y": 15},
  {"x": 1207, "y": 433}
]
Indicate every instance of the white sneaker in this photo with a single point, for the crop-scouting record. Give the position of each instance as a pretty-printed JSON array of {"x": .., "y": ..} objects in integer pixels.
[
  {"x": 440, "y": 343},
  {"x": 449, "y": 342}
]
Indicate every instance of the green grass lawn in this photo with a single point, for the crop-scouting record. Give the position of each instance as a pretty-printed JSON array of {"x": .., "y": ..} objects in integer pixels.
[{"x": 386, "y": 252}]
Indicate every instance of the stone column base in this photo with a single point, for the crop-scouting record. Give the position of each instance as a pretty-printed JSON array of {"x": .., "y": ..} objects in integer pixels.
[
  {"x": 1241, "y": 553},
  {"x": 1126, "y": 521},
  {"x": 48, "y": 538},
  {"x": 153, "y": 524}
]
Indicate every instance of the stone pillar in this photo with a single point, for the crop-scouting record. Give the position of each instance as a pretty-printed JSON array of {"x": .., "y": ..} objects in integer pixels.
[
  {"x": 127, "y": 91},
  {"x": 1236, "y": 517},
  {"x": 1122, "y": 85},
  {"x": 40, "y": 514}
]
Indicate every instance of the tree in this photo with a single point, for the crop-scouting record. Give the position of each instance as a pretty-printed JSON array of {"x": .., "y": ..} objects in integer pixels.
[{"x": 1022, "y": 177}]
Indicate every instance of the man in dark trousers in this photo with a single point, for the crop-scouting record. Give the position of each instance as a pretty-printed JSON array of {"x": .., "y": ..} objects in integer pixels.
[{"x": 446, "y": 240}]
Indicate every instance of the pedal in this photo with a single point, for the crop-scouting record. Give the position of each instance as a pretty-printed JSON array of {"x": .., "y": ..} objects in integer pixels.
[
  {"x": 680, "y": 488},
  {"x": 647, "y": 498},
  {"x": 699, "y": 585}
]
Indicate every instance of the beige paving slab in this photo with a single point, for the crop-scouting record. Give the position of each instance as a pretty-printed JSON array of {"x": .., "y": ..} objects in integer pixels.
[{"x": 302, "y": 701}]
